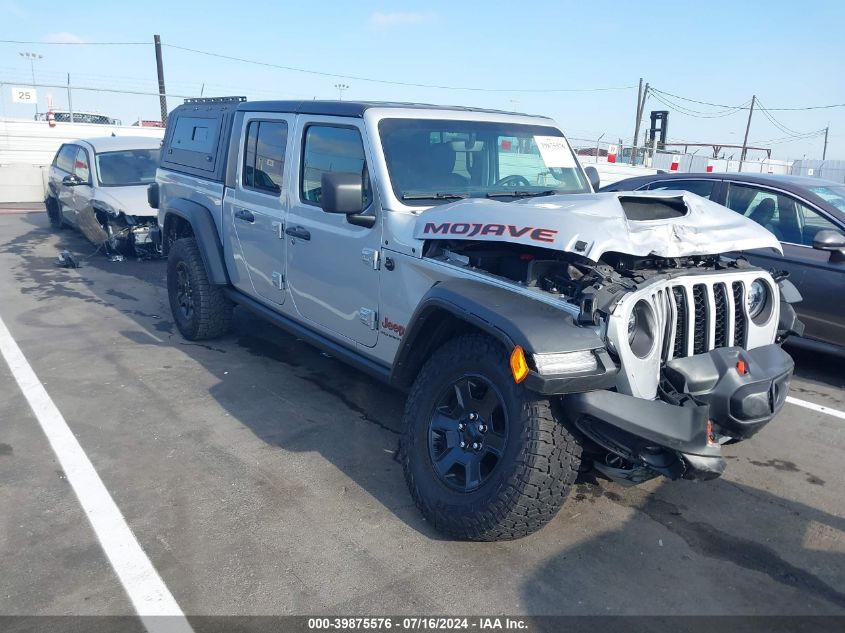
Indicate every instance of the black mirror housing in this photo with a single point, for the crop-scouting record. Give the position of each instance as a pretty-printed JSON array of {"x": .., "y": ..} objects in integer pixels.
[
  {"x": 593, "y": 175},
  {"x": 342, "y": 193},
  {"x": 828, "y": 240},
  {"x": 72, "y": 181}
]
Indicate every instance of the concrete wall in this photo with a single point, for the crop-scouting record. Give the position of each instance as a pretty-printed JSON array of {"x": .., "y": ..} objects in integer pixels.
[{"x": 27, "y": 147}]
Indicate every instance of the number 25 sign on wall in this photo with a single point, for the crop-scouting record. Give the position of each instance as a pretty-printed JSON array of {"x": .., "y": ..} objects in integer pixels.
[{"x": 24, "y": 95}]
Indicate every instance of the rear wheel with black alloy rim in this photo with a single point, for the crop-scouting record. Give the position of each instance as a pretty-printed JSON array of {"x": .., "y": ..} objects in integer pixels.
[
  {"x": 201, "y": 309},
  {"x": 484, "y": 458}
]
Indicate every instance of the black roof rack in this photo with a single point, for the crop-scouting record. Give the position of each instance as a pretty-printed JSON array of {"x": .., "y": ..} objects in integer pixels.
[{"x": 214, "y": 99}]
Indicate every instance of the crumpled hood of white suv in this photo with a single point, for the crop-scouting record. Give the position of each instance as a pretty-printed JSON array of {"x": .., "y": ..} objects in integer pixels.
[
  {"x": 132, "y": 199},
  {"x": 593, "y": 224}
]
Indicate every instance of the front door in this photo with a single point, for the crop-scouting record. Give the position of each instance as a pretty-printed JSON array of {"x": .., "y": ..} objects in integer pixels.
[
  {"x": 332, "y": 263},
  {"x": 819, "y": 280},
  {"x": 81, "y": 194},
  {"x": 256, "y": 206}
]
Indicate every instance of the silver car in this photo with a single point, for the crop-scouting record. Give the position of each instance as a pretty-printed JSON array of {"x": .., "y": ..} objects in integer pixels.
[{"x": 98, "y": 186}]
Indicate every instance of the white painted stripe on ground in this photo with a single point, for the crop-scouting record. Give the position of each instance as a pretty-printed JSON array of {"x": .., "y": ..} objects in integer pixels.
[
  {"x": 143, "y": 585},
  {"x": 816, "y": 407}
]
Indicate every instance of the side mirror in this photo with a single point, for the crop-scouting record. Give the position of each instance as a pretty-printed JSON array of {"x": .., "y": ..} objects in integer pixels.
[
  {"x": 342, "y": 193},
  {"x": 152, "y": 195},
  {"x": 828, "y": 240},
  {"x": 72, "y": 181},
  {"x": 593, "y": 175}
]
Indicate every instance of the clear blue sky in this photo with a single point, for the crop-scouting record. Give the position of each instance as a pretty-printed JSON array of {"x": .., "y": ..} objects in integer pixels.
[{"x": 788, "y": 53}]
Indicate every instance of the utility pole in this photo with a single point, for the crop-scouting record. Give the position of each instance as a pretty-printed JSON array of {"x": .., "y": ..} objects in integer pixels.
[
  {"x": 641, "y": 97},
  {"x": 162, "y": 93},
  {"x": 69, "y": 99},
  {"x": 824, "y": 151},
  {"x": 637, "y": 124},
  {"x": 747, "y": 129}
]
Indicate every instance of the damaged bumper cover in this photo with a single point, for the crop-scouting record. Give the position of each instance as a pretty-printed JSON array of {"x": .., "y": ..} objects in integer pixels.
[{"x": 728, "y": 393}]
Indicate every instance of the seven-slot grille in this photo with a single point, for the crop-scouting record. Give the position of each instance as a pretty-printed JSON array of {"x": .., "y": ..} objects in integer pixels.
[{"x": 696, "y": 318}]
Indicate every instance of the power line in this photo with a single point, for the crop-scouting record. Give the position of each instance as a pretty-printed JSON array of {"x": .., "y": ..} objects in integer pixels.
[
  {"x": 745, "y": 106},
  {"x": 74, "y": 43},
  {"x": 390, "y": 82}
]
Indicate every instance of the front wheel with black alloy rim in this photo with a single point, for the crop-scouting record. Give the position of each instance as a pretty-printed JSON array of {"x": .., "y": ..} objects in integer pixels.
[
  {"x": 201, "y": 309},
  {"x": 485, "y": 459}
]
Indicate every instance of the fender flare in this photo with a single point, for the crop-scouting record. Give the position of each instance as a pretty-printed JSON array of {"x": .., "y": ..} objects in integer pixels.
[
  {"x": 509, "y": 317},
  {"x": 206, "y": 234}
]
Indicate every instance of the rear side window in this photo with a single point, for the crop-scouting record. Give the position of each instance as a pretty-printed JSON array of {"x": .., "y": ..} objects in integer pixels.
[
  {"x": 66, "y": 158},
  {"x": 703, "y": 188},
  {"x": 193, "y": 143},
  {"x": 264, "y": 156},
  {"x": 195, "y": 134},
  {"x": 331, "y": 149}
]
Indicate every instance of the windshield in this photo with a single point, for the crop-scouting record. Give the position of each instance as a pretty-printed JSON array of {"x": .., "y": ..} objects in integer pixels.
[
  {"x": 831, "y": 195},
  {"x": 432, "y": 161},
  {"x": 127, "y": 167}
]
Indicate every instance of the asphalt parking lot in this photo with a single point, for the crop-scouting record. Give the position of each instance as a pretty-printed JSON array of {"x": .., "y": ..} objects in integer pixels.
[{"x": 259, "y": 477}]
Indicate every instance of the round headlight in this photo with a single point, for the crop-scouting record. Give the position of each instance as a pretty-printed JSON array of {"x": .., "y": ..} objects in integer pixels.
[
  {"x": 755, "y": 300},
  {"x": 642, "y": 329}
]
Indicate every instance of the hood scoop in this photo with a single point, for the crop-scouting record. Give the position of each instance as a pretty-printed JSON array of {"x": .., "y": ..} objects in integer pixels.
[{"x": 640, "y": 209}]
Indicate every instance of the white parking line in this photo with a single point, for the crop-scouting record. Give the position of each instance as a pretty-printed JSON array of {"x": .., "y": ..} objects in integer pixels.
[
  {"x": 143, "y": 585},
  {"x": 816, "y": 407}
]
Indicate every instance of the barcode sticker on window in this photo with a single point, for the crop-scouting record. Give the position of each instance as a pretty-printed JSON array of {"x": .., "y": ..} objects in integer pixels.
[{"x": 555, "y": 151}]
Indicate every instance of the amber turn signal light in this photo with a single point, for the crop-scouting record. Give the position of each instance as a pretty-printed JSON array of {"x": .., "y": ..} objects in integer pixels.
[
  {"x": 519, "y": 366},
  {"x": 741, "y": 367}
]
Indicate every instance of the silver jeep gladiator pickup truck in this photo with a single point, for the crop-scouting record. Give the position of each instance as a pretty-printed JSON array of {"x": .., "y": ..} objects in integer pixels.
[{"x": 462, "y": 255}]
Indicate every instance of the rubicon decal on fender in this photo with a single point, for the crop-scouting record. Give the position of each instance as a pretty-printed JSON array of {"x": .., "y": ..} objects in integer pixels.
[{"x": 465, "y": 229}]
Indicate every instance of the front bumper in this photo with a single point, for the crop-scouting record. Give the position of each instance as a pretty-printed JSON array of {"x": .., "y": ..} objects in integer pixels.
[{"x": 705, "y": 400}]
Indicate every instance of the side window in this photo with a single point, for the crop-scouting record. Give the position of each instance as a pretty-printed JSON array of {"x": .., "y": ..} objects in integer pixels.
[
  {"x": 331, "y": 149},
  {"x": 66, "y": 157},
  {"x": 790, "y": 220},
  {"x": 703, "y": 188},
  {"x": 81, "y": 169},
  {"x": 264, "y": 156},
  {"x": 195, "y": 134},
  {"x": 810, "y": 223}
]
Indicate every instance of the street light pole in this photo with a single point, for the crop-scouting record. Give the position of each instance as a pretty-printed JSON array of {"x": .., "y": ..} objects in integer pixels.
[
  {"x": 32, "y": 57},
  {"x": 340, "y": 89}
]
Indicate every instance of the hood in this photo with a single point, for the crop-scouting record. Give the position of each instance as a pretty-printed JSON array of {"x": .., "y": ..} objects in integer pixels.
[
  {"x": 131, "y": 200},
  {"x": 671, "y": 224}
]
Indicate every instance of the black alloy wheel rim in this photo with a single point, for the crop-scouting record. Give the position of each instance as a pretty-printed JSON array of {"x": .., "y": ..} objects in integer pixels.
[
  {"x": 467, "y": 433},
  {"x": 184, "y": 291}
]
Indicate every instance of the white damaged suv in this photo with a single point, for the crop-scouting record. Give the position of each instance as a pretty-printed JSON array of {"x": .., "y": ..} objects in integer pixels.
[
  {"x": 462, "y": 255},
  {"x": 98, "y": 186}
]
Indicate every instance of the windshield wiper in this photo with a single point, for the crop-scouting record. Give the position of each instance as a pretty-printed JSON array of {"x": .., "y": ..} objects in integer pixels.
[
  {"x": 521, "y": 194},
  {"x": 434, "y": 196}
]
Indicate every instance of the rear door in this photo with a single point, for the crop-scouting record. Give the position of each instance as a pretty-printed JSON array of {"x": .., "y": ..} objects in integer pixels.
[
  {"x": 795, "y": 222},
  {"x": 333, "y": 264},
  {"x": 257, "y": 205}
]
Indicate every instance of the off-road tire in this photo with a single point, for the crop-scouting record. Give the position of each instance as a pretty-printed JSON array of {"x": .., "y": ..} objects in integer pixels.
[
  {"x": 54, "y": 213},
  {"x": 539, "y": 464},
  {"x": 211, "y": 315}
]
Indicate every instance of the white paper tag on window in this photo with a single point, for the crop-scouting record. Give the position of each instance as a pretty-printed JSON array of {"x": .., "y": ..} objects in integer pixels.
[{"x": 555, "y": 151}]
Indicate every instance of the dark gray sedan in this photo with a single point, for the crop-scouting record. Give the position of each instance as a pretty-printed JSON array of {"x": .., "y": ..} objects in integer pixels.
[{"x": 808, "y": 217}]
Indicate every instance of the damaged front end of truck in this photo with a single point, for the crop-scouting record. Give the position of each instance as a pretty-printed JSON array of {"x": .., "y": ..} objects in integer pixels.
[{"x": 693, "y": 336}]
